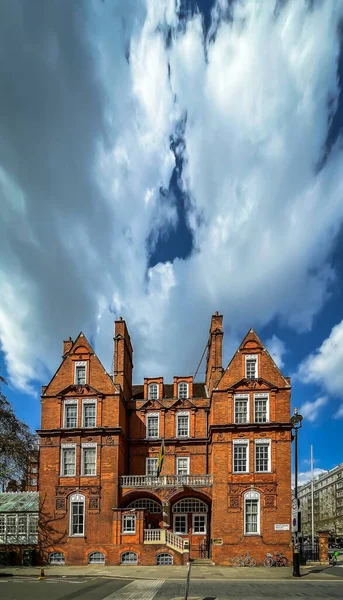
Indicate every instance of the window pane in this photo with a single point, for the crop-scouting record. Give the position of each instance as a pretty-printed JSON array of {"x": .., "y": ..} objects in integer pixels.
[
  {"x": 89, "y": 417},
  {"x": 182, "y": 466},
  {"x": 262, "y": 457},
  {"x": 81, "y": 375},
  {"x": 77, "y": 513},
  {"x": 11, "y": 525},
  {"x": 89, "y": 461},
  {"x": 96, "y": 558},
  {"x": 241, "y": 410},
  {"x": 164, "y": 559},
  {"x": 180, "y": 524},
  {"x": 70, "y": 415},
  {"x": 182, "y": 425},
  {"x": 153, "y": 391},
  {"x": 240, "y": 458},
  {"x": 183, "y": 390},
  {"x": 261, "y": 410},
  {"x": 152, "y": 426},
  {"x": 151, "y": 466},
  {"x": 68, "y": 461},
  {"x": 251, "y": 368},
  {"x": 251, "y": 516},
  {"x": 199, "y": 524},
  {"x": 129, "y": 558},
  {"x": 129, "y": 523},
  {"x": 56, "y": 558},
  {"x": 190, "y": 505}
]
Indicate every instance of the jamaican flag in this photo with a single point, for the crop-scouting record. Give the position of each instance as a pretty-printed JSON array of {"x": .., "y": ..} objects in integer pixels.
[{"x": 160, "y": 459}]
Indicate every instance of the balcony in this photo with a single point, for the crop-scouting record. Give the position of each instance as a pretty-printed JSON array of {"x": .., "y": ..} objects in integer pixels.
[
  {"x": 150, "y": 481},
  {"x": 162, "y": 536}
]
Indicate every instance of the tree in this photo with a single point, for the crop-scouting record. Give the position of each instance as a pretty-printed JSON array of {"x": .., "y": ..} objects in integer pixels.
[{"x": 17, "y": 441}]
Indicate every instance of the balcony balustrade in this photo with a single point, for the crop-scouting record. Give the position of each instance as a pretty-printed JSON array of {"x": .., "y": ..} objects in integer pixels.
[{"x": 165, "y": 481}]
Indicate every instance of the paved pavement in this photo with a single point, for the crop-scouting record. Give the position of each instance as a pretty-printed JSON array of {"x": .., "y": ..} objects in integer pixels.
[{"x": 92, "y": 588}]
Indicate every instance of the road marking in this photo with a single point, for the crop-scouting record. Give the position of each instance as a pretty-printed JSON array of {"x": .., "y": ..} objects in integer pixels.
[{"x": 144, "y": 589}]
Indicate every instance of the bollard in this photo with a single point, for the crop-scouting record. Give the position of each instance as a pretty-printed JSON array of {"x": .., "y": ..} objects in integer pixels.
[
  {"x": 188, "y": 579},
  {"x": 42, "y": 575}
]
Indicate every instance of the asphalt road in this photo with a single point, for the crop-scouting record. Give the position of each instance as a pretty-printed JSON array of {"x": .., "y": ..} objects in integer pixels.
[{"x": 121, "y": 589}]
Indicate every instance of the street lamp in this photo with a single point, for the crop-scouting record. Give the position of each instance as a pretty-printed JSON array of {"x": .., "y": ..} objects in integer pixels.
[{"x": 296, "y": 421}]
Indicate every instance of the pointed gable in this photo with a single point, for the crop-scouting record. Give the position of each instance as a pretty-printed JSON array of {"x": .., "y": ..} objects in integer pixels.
[
  {"x": 151, "y": 405},
  {"x": 267, "y": 372},
  {"x": 80, "y": 353}
]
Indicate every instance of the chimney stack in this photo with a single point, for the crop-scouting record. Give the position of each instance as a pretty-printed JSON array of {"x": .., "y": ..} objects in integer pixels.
[
  {"x": 67, "y": 345},
  {"x": 214, "y": 367},
  {"x": 123, "y": 364}
]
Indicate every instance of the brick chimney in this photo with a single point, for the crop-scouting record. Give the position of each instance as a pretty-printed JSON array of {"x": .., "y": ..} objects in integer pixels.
[
  {"x": 214, "y": 367},
  {"x": 123, "y": 364},
  {"x": 67, "y": 345}
]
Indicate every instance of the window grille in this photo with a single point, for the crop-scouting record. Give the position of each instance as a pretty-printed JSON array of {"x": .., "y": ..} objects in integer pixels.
[
  {"x": 252, "y": 513},
  {"x": 262, "y": 457},
  {"x": 164, "y": 559},
  {"x": 199, "y": 524},
  {"x": 89, "y": 414},
  {"x": 77, "y": 515},
  {"x": 180, "y": 524},
  {"x": 151, "y": 506},
  {"x": 129, "y": 523},
  {"x": 56, "y": 558},
  {"x": 96, "y": 558},
  {"x": 70, "y": 415},
  {"x": 80, "y": 375},
  {"x": 240, "y": 457},
  {"x": 251, "y": 367},
  {"x": 68, "y": 461},
  {"x": 182, "y": 465},
  {"x": 182, "y": 425},
  {"x": 241, "y": 410},
  {"x": 129, "y": 558},
  {"x": 190, "y": 505},
  {"x": 89, "y": 461},
  {"x": 152, "y": 426},
  {"x": 183, "y": 390},
  {"x": 261, "y": 410},
  {"x": 153, "y": 391},
  {"x": 151, "y": 466}
]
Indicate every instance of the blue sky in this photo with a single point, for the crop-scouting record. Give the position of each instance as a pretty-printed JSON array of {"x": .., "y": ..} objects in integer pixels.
[{"x": 160, "y": 163}]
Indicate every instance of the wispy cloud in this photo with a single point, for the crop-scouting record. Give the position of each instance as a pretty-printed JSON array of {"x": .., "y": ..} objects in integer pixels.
[
  {"x": 88, "y": 113},
  {"x": 310, "y": 410},
  {"x": 277, "y": 349},
  {"x": 305, "y": 476}
]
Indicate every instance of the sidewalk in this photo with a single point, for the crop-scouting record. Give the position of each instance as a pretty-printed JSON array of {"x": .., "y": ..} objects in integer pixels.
[{"x": 173, "y": 573}]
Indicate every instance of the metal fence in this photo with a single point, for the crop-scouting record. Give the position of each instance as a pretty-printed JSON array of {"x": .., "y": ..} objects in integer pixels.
[{"x": 309, "y": 551}]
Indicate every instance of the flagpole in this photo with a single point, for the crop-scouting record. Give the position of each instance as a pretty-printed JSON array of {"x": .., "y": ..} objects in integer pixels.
[{"x": 312, "y": 497}]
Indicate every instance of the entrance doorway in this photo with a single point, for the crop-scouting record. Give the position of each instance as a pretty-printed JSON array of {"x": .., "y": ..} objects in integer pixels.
[{"x": 191, "y": 518}]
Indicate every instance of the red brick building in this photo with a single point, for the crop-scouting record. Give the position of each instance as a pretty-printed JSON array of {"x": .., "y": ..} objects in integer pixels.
[{"x": 225, "y": 484}]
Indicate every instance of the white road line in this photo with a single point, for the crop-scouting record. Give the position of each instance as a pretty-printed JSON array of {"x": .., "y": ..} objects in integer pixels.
[{"x": 144, "y": 589}]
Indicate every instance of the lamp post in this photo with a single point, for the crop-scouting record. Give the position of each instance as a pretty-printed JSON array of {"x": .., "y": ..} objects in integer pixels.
[{"x": 296, "y": 421}]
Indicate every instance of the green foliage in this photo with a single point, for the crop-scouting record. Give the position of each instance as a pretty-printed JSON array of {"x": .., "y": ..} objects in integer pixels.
[{"x": 17, "y": 441}]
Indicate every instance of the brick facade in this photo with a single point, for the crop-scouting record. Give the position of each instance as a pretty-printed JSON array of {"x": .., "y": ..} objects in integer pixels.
[{"x": 225, "y": 484}]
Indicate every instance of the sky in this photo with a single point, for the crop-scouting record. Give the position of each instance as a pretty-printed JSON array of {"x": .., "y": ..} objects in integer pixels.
[{"x": 163, "y": 160}]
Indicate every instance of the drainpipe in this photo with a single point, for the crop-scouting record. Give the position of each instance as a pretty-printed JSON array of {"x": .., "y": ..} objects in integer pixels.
[{"x": 206, "y": 411}]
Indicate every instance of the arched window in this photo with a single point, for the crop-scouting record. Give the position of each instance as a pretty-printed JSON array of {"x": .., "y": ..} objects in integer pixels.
[
  {"x": 151, "y": 506},
  {"x": 129, "y": 558},
  {"x": 96, "y": 558},
  {"x": 56, "y": 558},
  {"x": 182, "y": 389},
  {"x": 252, "y": 513},
  {"x": 164, "y": 559},
  {"x": 190, "y": 505},
  {"x": 153, "y": 391},
  {"x": 77, "y": 515}
]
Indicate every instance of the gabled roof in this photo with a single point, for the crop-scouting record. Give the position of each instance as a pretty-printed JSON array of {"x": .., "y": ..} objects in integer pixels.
[
  {"x": 250, "y": 383},
  {"x": 151, "y": 403},
  {"x": 19, "y": 502},
  {"x": 183, "y": 402}
]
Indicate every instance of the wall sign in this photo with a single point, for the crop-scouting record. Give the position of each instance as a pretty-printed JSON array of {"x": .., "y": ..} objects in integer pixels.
[
  {"x": 281, "y": 527},
  {"x": 217, "y": 541}
]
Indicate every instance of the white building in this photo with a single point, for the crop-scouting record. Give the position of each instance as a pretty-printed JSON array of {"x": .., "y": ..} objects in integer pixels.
[{"x": 328, "y": 503}]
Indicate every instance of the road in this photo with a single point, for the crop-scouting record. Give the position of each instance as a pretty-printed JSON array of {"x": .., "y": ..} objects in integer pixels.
[{"x": 158, "y": 589}]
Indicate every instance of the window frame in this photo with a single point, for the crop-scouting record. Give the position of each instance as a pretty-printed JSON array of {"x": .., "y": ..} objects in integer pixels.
[
  {"x": 77, "y": 499},
  {"x": 260, "y": 396},
  {"x": 185, "y": 515},
  {"x": 240, "y": 442},
  {"x": 124, "y": 529},
  {"x": 150, "y": 386},
  {"x": 255, "y": 496},
  {"x": 149, "y": 416},
  {"x": 240, "y": 397},
  {"x": 63, "y": 448},
  {"x": 251, "y": 357},
  {"x": 182, "y": 414},
  {"x": 128, "y": 562},
  {"x": 80, "y": 363},
  {"x": 263, "y": 442},
  {"x": 163, "y": 564},
  {"x": 87, "y": 446},
  {"x": 85, "y": 402},
  {"x": 182, "y": 383},
  {"x": 58, "y": 563},
  {"x": 96, "y": 562},
  {"x": 148, "y": 460},
  {"x": 66, "y": 404},
  {"x": 204, "y": 515},
  {"x": 187, "y": 459}
]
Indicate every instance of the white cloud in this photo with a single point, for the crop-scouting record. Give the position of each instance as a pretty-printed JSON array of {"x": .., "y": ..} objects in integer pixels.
[
  {"x": 310, "y": 410},
  {"x": 324, "y": 366},
  {"x": 277, "y": 349},
  {"x": 84, "y": 165},
  {"x": 306, "y": 476},
  {"x": 339, "y": 413}
]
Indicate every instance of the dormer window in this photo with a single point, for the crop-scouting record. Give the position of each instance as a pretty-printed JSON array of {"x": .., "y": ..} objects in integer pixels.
[
  {"x": 153, "y": 391},
  {"x": 80, "y": 373},
  {"x": 182, "y": 390},
  {"x": 251, "y": 366}
]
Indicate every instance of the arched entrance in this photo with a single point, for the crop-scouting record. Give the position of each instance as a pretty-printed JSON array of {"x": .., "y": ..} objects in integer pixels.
[
  {"x": 151, "y": 506},
  {"x": 191, "y": 518}
]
